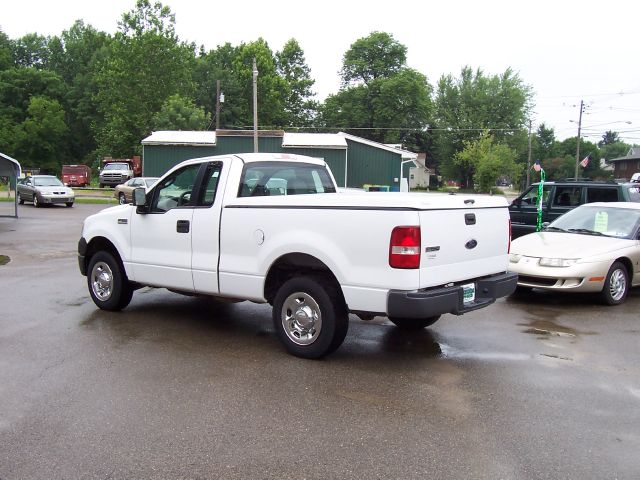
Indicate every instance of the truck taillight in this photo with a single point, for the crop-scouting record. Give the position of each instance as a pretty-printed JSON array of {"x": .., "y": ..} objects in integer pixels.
[
  {"x": 404, "y": 247},
  {"x": 509, "y": 245}
]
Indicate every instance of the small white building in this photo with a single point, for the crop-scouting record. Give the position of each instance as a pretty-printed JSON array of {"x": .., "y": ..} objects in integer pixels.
[{"x": 419, "y": 176}]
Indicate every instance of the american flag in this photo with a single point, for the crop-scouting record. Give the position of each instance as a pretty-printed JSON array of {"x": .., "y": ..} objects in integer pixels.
[
  {"x": 585, "y": 162},
  {"x": 536, "y": 166}
]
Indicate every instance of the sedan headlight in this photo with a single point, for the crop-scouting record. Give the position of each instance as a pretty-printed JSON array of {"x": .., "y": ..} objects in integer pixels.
[{"x": 557, "y": 262}]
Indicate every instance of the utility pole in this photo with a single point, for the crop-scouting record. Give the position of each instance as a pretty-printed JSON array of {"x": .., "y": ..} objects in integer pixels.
[
  {"x": 217, "y": 105},
  {"x": 578, "y": 147},
  {"x": 255, "y": 106},
  {"x": 529, "y": 158}
]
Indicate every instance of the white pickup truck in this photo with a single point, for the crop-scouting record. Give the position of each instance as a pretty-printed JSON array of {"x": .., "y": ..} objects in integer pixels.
[{"x": 272, "y": 228}]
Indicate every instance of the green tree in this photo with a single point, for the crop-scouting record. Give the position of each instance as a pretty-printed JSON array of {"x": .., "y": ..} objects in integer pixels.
[
  {"x": 145, "y": 64},
  {"x": 74, "y": 56},
  {"x": 272, "y": 88},
  {"x": 611, "y": 146},
  {"x": 378, "y": 55},
  {"x": 544, "y": 143},
  {"x": 18, "y": 87},
  {"x": 179, "y": 113},
  {"x": 559, "y": 168},
  {"x": 299, "y": 108},
  {"x": 381, "y": 98},
  {"x": 31, "y": 50},
  {"x": 474, "y": 102},
  {"x": 485, "y": 161},
  {"x": 6, "y": 59},
  {"x": 218, "y": 65},
  {"x": 38, "y": 138}
]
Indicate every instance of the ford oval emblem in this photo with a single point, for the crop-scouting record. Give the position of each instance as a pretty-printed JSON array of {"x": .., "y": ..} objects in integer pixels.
[{"x": 471, "y": 244}]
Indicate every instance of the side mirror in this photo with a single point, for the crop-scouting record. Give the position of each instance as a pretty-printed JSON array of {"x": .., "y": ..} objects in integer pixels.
[
  {"x": 517, "y": 202},
  {"x": 140, "y": 200},
  {"x": 544, "y": 225}
]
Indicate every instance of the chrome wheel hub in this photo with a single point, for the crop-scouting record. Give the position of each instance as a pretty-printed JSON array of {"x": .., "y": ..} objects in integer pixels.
[
  {"x": 301, "y": 318},
  {"x": 102, "y": 281},
  {"x": 617, "y": 284}
]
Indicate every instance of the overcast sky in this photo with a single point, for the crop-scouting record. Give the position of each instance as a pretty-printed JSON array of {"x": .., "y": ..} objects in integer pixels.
[{"x": 566, "y": 51}]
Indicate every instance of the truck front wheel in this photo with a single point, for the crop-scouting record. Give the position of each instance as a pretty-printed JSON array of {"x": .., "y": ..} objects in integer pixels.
[
  {"x": 108, "y": 285},
  {"x": 310, "y": 316},
  {"x": 414, "y": 323}
]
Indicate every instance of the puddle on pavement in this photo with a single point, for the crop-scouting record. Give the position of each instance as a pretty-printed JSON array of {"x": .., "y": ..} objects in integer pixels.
[
  {"x": 4, "y": 259},
  {"x": 547, "y": 328}
]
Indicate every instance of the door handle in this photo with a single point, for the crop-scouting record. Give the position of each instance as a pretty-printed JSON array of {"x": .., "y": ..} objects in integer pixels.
[{"x": 182, "y": 226}]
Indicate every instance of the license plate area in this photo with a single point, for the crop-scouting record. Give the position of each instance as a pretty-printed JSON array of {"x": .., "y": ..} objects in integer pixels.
[{"x": 468, "y": 293}]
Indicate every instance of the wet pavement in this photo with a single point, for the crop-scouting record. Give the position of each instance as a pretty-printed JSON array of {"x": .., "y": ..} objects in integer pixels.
[{"x": 537, "y": 386}]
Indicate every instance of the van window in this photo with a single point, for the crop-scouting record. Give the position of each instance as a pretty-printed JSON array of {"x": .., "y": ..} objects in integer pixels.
[
  {"x": 602, "y": 194},
  {"x": 531, "y": 196},
  {"x": 567, "y": 196}
]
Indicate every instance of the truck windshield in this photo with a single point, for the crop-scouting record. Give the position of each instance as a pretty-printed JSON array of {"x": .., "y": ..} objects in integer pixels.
[
  {"x": 116, "y": 166},
  {"x": 279, "y": 178}
]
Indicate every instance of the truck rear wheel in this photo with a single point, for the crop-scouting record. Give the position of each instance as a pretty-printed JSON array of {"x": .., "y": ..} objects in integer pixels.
[
  {"x": 108, "y": 285},
  {"x": 414, "y": 323},
  {"x": 310, "y": 316}
]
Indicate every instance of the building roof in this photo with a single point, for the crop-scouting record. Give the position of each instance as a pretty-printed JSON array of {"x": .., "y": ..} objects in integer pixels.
[
  {"x": 317, "y": 140},
  {"x": 632, "y": 154},
  {"x": 181, "y": 137},
  {"x": 9, "y": 166},
  {"x": 406, "y": 154}
]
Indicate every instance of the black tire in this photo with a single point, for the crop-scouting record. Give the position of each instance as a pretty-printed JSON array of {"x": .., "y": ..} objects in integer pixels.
[
  {"x": 36, "y": 202},
  {"x": 108, "y": 284},
  {"x": 20, "y": 199},
  {"x": 69, "y": 204},
  {"x": 101, "y": 185},
  {"x": 122, "y": 200},
  {"x": 414, "y": 323},
  {"x": 321, "y": 307},
  {"x": 616, "y": 286}
]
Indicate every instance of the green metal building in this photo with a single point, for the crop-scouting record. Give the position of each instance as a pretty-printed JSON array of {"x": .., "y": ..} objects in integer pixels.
[{"x": 354, "y": 161}]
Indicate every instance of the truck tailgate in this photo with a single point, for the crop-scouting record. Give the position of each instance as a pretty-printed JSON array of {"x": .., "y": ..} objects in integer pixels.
[{"x": 463, "y": 243}]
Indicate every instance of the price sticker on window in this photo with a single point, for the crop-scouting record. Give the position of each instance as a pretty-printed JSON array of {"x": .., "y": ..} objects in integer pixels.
[{"x": 601, "y": 222}]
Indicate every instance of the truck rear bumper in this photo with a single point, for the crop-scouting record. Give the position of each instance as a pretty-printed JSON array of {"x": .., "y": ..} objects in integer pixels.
[{"x": 432, "y": 302}]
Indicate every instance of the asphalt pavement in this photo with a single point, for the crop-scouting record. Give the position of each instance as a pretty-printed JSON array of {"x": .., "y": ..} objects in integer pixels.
[{"x": 539, "y": 386}]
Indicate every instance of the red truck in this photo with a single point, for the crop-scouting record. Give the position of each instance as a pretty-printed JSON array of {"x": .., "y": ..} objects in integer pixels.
[{"x": 76, "y": 175}]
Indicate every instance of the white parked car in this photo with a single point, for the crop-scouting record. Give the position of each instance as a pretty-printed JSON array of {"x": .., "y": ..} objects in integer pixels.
[{"x": 592, "y": 248}]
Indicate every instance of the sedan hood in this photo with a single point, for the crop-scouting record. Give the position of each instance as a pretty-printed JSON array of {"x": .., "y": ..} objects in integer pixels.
[{"x": 565, "y": 245}]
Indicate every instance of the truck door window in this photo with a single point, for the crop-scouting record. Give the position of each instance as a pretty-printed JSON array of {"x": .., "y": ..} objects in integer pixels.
[
  {"x": 175, "y": 190},
  {"x": 212, "y": 175}
]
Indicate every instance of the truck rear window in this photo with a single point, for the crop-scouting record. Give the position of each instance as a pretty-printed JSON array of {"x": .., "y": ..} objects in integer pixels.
[{"x": 261, "y": 179}]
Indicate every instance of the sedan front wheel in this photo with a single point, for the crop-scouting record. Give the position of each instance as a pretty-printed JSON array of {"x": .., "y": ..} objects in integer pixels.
[{"x": 616, "y": 285}]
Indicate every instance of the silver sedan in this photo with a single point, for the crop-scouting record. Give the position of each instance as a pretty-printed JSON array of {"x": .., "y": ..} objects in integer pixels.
[{"x": 44, "y": 190}]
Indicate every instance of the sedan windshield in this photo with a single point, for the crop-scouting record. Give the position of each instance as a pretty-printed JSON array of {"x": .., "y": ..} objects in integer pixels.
[
  {"x": 597, "y": 220},
  {"x": 47, "y": 182}
]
